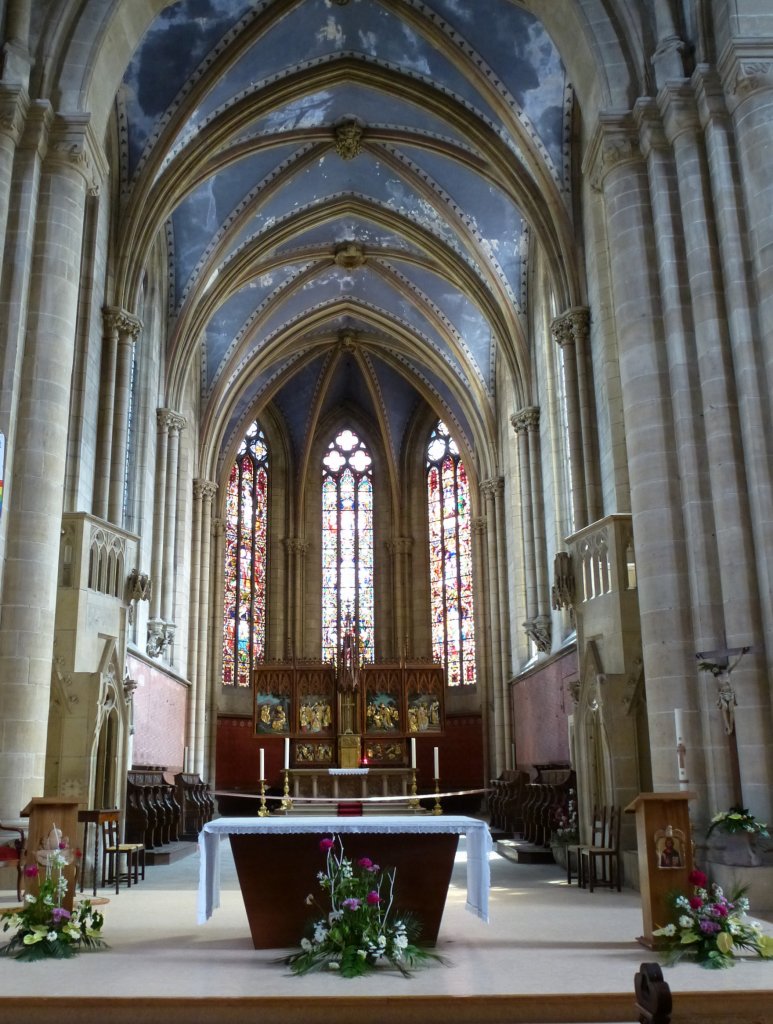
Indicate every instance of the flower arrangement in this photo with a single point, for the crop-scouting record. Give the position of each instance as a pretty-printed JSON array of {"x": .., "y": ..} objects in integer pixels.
[
  {"x": 736, "y": 820},
  {"x": 565, "y": 830},
  {"x": 710, "y": 926},
  {"x": 360, "y": 927},
  {"x": 45, "y": 928}
]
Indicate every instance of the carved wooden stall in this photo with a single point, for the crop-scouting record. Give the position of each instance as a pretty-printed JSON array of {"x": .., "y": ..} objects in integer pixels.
[{"x": 162, "y": 808}]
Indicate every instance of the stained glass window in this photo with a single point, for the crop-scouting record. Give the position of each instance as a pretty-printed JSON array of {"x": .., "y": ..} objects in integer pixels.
[
  {"x": 246, "y": 532},
  {"x": 347, "y": 545},
  {"x": 450, "y": 559}
]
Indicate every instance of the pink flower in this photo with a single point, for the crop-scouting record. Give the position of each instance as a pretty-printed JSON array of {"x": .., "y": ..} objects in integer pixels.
[
  {"x": 352, "y": 903},
  {"x": 59, "y": 914},
  {"x": 31, "y": 870},
  {"x": 365, "y": 862},
  {"x": 698, "y": 878},
  {"x": 696, "y": 902},
  {"x": 326, "y": 844},
  {"x": 720, "y": 909},
  {"x": 373, "y": 898}
]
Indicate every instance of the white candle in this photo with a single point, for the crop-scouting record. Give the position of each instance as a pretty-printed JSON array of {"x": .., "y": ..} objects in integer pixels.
[
  {"x": 678, "y": 725},
  {"x": 287, "y": 753},
  {"x": 185, "y": 760},
  {"x": 262, "y": 765},
  {"x": 413, "y": 752},
  {"x": 437, "y": 764},
  {"x": 681, "y": 747}
]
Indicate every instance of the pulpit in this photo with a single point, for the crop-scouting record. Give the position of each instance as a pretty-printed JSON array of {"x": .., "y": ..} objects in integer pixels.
[
  {"x": 664, "y": 844},
  {"x": 45, "y": 814}
]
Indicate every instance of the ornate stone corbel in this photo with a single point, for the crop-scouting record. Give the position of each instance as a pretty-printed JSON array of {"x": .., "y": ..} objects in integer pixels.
[
  {"x": 348, "y": 139},
  {"x": 138, "y": 588},
  {"x": 160, "y": 636},
  {"x": 563, "y": 582},
  {"x": 539, "y": 629}
]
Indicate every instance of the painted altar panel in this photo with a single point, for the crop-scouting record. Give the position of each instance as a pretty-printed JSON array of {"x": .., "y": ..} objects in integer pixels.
[
  {"x": 272, "y": 694},
  {"x": 424, "y": 698}
]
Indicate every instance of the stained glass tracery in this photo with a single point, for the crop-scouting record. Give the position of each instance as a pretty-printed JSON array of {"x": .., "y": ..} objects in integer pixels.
[
  {"x": 246, "y": 533},
  {"x": 347, "y": 545},
  {"x": 450, "y": 559}
]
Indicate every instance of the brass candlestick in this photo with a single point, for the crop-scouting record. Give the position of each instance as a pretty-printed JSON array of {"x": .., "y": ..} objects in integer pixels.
[
  {"x": 437, "y": 809},
  {"x": 414, "y": 802},
  {"x": 287, "y": 804},
  {"x": 262, "y": 810}
]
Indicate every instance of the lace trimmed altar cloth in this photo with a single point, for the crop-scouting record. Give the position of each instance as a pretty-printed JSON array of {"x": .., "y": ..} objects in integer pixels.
[{"x": 478, "y": 843}]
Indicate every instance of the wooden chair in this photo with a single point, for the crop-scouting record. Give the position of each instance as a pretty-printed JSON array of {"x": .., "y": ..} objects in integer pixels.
[
  {"x": 597, "y": 833},
  {"x": 606, "y": 855},
  {"x": 14, "y": 854},
  {"x": 112, "y": 851}
]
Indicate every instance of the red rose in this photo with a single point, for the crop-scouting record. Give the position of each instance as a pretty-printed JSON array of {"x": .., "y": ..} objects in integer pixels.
[
  {"x": 326, "y": 844},
  {"x": 698, "y": 878}
]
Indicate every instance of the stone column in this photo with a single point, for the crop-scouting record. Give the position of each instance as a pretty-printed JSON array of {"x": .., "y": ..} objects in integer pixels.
[
  {"x": 176, "y": 424},
  {"x": 746, "y": 68},
  {"x": 203, "y": 612},
  {"x": 195, "y": 601},
  {"x": 492, "y": 494},
  {"x": 616, "y": 167},
  {"x": 24, "y": 134},
  {"x": 748, "y": 362},
  {"x": 565, "y": 329},
  {"x": 107, "y": 371},
  {"x": 296, "y": 568},
  {"x": 74, "y": 164},
  {"x": 214, "y": 666},
  {"x": 155, "y": 623},
  {"x": 483, "y": 643},
  {"x": 128, "y": 329},
  {"x": 538, "y": 621},
  {"x": 518, "y": 422},
  {"x": 399, "y": 550}
]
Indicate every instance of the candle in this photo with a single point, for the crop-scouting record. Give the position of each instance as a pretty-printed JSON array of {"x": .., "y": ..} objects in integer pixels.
[
  {"x": 185, "y": 760},
  {"x": 437, "y": 764},
  {"x": 681, "y": 747},
  {"x": 413, "y": 752},
  {"x": 262, "y": 765},
  {"x": 287, "y": 753},
  {"x": 512, "y": 756}
]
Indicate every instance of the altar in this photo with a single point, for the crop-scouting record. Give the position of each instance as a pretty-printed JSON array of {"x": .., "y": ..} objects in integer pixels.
[{"x": 277, "y": 860}]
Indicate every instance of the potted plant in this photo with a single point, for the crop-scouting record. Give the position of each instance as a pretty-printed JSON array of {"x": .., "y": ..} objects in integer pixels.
[{"x": 735, "y": 834}]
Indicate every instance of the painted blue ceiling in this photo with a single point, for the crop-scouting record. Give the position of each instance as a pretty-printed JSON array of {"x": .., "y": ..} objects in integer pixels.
[{"x": 283, "y": 205}]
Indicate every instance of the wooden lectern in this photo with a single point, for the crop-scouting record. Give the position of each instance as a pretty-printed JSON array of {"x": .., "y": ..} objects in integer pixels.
[
  {"x": 44, "y": 813},
  {"x": 664, "y": 843}
]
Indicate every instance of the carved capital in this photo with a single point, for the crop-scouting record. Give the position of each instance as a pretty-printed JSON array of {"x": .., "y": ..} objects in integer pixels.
[
  {"x": 572, "y": 326},
  {"x": 138, "y": 586},
  {"x": 676, "y": 101},
  {"x": 348, "y": 139},
  {"x": 119, "y": 321},
  {"x": 478, "y": 525},
  {"x": 614, "y": 143},
  {"x": 525, "y": 419},
  {"x": 400, "y": 545},
  {"x": 72, "y": 143},
  {"x": 296, "y": 545},
  {"x": 493, "y": 487},
  {"x": 746, "y": 69},
  {"x": 204, "y": 490},
  {"x": 169, "y": 420},
  {"x": 14, "y": 105}
]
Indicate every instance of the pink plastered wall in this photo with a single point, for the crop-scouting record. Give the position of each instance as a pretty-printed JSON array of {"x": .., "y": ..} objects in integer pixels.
[
  {"x": 541, "y": 704},
  {"x": 159, "y": 715}
]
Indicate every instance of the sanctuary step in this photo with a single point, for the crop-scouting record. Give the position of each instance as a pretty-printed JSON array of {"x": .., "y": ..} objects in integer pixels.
[
  {"x": 170, "y": 853},
  {"x": 523, "y": 852}
]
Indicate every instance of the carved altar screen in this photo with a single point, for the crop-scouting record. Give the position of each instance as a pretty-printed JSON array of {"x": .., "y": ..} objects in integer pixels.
[
  {"x": 450, "y": 550},
  {"x": 246, "y": 532}
]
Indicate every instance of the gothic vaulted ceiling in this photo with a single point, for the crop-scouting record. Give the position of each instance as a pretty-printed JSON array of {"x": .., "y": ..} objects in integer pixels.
[{"x": 348, "y": 193}]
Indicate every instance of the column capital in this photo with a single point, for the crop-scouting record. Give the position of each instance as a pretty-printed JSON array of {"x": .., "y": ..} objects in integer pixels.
[
  {"x": 676, "y": 101},
  {"x": 649, "y": 121},
  {"x": 14, "y": 105},
  {"x": 525, "y": 419},
  {"x": 709, "y": 95},
  {"x": 204, "y": 489},
  {"x": 746, "y": 67},
  {"x": 571, "y": 326},
  {"x": 613, "y": 143},
  {"x": 296, "y": 545},
  {"x": 171, "y": 421},
  {"x": 72, "y": 143},
  {"x": 399, "y": 545},
  {"x": 120, "y": 321},
  {"x": 493, "y": 487},
  {"x": 478, "y": 525}
]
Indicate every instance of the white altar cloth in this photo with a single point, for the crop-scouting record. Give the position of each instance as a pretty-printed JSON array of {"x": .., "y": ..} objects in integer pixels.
[{"x": 476, "y": 832}]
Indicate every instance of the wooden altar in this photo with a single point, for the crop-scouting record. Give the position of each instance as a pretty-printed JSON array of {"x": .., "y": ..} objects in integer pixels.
[{"x": 277, "y": 860}]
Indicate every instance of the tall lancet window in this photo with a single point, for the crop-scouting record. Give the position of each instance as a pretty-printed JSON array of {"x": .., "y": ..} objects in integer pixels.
[
  {"x": 246, "y": 533},
  {"x": 450, "y": 559},
  {"x": 347, "y": 546}
]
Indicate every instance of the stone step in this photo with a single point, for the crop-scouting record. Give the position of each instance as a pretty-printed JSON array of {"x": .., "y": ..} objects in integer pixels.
[{"x": 522, "y": 852}]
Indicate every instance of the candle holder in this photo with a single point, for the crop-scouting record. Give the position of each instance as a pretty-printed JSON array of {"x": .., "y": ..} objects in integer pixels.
[
  {"x": 287, "y": 804},
  {"x": 414, "y": 801},
  {"x": 262, "y": 810},
  {"x": 437, "y": 809}
]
